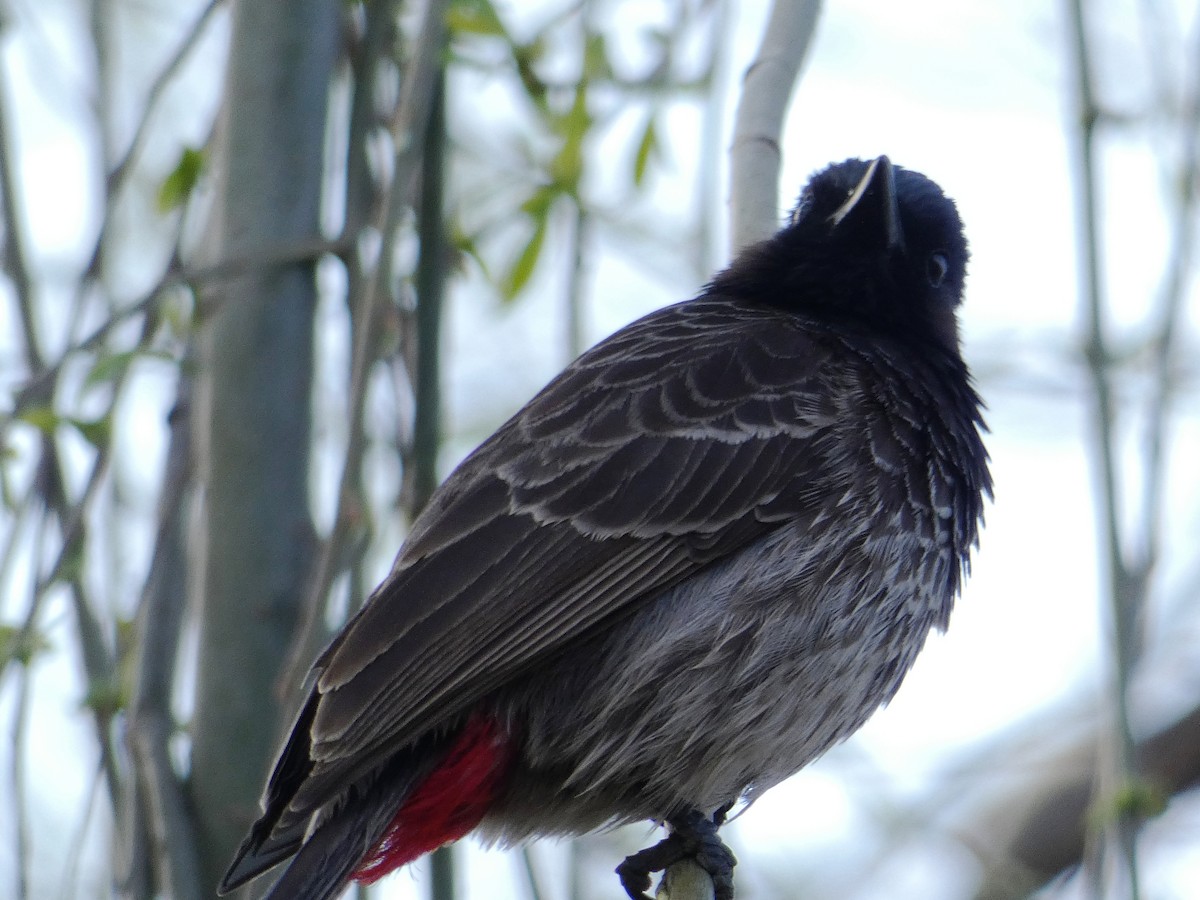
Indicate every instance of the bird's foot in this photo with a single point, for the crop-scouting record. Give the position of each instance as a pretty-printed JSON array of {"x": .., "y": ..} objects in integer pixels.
[{"x": 693, "y": 836}]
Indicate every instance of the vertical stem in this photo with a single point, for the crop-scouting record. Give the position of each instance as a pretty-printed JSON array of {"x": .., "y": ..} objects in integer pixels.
[
  {"x": 709, "y": 250},
  {"x": 155, "y": 826},
  {"x": 1181, "y": 190},
  {"x": 441, "y": 867},
  {"x": 20, "y": 807},
  {"x": 755, "y": 154},
  {"x": 430, "y": 283},
  {"x": 575, "y": 279},
  {"x": 1124, "y": 589},
  {"x": 532, "y": 881},
  {"x": 254, "y": 428},
  {"x": 16, "y": 254}
]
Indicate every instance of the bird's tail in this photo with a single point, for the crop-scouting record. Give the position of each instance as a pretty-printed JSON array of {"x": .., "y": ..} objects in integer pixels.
[
  {"x": 328, "y": 859},
  {"x": 412, "y": 807}
]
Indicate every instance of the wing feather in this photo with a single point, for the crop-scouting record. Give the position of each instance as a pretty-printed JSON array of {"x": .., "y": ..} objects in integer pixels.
[{"x": 662, "y": 449}]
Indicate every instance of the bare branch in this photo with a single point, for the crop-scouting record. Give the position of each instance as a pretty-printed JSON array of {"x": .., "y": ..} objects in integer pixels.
[
  {"x": 172, "y": 833},
  {"x": 70, "y": 877},
  {"x": 16, "y": 254},
  {"x": 532, "y": 881},
  {"x": 407, "y": 127},
  {"x": 685, "y": 881},
  {"x": 766, "y": 92},
  {"x": 1032, "y": 835},
  {"x": 283, "y": 254},
  {"x": 1181, "y": 196},
  {"x": 1126, "y": 585},
  {"x": 155, "y": 807},
  {"x": 20, "y": 810},
  {"x": 421, "y": 473}
]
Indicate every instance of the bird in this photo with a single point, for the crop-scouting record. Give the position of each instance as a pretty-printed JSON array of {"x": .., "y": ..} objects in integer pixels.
[{"x": 702, "y": 555}]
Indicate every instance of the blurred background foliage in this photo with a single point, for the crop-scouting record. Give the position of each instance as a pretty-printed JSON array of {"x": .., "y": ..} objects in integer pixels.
[{"x": 429, "y": 208}]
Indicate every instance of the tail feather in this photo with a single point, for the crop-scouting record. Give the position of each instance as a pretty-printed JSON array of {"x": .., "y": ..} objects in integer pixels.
[
  {"x": 326, "y": 861},
  {"x": 252, "y": 860},
  {"x": 431, "y": 793},
  {"x": 279, "y": 832}
]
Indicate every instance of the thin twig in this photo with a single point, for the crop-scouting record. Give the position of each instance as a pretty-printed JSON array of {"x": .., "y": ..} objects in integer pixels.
[
  {"x": 98, "y": 662},
  {"x": 119, "y": 174},
  {"x": 20, "y": 808},
  {"x": 16, "y": 254},
  {"x": 103, "y": 23},
  {"x": 1125, "y": 590},
  {"x": 97, "y": 655},
  {"x": 40, "y": 384},
  {"x": 1181, "y": 196},
  {"x": 709, "y": 250},
  {"x": 19, "y": 512},
  {"x": 532, "y": 881},
  {"x": 408, "y": 124},
  {"x": 157, "y": 808},
  {"x": 1035, "y": 832},
  {"x": 576, "y": 279},
  {"x": 24, "y": 639},
  {"x": 69, "y": 886},
  {"x": 171, "y": 823},
  {"x": 24, "y": 636}
]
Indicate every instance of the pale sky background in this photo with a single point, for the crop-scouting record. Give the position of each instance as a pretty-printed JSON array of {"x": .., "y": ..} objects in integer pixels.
[{"x": 973, "y": 95}]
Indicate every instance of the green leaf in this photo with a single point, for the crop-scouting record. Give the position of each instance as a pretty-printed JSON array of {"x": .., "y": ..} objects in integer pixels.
[
  {"x": 538, "y": 203},
  {"x": 178, "y": 186},
  {"x": 176, "y": 311},
  {"x": 21, "y": 647},
  {"x": 526, "y": 261},
  {"x": 95, "y": 431},
  {"x": 567, "y": 166},
  {"x": 8, "y": 494},
  {"x": 70, "y": 569},
  {"x": 127, "y": 635},
  {"x": 477, "y": 17},
  {"x": 111, "y": 366},
  {"x": 1139, "y": 799},
  {"x": 647, "y": 147},
  {"x": 467, "y": 245},
  {"x": 43, "y": 418},
  {"x": 107, "y": 697},
  {"x": 524, "y": 58},
  {"x": 108, "y": 368},
  {"x": 596, "y": 65}
]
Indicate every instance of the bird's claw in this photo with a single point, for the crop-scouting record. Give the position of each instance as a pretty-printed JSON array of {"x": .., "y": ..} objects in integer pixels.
[{"x": 693, "y": 836}]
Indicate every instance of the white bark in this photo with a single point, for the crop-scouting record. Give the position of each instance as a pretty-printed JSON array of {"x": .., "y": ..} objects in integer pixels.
[{"x": 766, "y": 91}]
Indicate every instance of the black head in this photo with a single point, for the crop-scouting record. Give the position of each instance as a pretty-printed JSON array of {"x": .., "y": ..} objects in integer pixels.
[{"x": 869, "y": 242}]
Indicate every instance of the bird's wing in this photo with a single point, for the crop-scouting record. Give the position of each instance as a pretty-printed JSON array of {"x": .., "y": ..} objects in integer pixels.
[{"x": 672, "y": 443}]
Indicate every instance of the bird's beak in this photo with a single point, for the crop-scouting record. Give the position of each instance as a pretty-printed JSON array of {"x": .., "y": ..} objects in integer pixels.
[{"x": 871, "y": 209}]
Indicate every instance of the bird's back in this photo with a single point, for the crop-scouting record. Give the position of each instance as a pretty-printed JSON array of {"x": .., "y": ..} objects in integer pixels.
[{"x": 745, "y": 671}]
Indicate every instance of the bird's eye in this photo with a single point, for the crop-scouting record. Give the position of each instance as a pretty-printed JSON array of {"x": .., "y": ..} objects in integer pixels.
[{"x": 936, "y": 269}]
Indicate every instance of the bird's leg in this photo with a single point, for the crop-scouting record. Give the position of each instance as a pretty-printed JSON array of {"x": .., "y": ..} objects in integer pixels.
[
  {"x": 693, "y": 836},
  {"x": 635, "y": 870}
]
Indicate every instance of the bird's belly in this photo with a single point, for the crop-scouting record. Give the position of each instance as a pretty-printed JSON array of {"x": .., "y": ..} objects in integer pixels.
[{"x": 725, "y": 684}]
